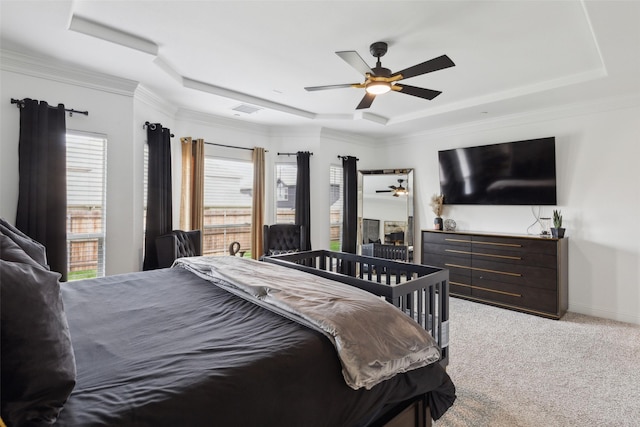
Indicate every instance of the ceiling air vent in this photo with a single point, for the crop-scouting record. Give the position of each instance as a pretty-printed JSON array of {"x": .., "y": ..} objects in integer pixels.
[{"x": 247, "y": 109}]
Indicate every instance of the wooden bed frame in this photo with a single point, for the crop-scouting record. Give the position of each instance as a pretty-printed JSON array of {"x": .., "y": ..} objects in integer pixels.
[
  {"x": 411, "y": 413},
  {"x": 421, "y": 291}
]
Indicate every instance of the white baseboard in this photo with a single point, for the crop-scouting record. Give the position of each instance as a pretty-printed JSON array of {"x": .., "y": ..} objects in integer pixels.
[{"x": 606, "y": 314}]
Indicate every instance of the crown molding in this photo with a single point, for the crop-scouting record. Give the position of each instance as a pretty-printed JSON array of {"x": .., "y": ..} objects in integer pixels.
[
  {"x": 64, "y": 73},
  {"x": 150, "y": 98}
]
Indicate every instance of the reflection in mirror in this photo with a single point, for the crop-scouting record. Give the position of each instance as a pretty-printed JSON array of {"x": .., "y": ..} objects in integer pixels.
[{"x": 385, "y": 213}]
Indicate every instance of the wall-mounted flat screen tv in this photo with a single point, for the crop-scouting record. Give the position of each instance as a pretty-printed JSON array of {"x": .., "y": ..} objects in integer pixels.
[{"x": 511, "y": 173}]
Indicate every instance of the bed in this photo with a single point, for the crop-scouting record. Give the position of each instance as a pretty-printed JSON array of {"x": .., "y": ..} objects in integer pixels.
[{"x": 174, "y": 347}]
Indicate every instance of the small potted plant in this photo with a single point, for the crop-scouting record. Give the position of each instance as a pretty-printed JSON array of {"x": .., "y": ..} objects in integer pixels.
[
  {"x": 437, "y": 205},
  {"x": 557, "y": 230}
]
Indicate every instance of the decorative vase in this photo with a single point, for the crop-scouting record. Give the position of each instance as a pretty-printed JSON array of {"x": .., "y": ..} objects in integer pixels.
[
  {"x": 437, "y": 223},
  {"x": 557, "y": 232}
]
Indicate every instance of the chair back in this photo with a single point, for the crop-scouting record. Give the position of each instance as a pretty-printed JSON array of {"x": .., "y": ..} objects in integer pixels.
[
  {"x": 283, "y": 238},
  {"x": 178, "y": 244}
]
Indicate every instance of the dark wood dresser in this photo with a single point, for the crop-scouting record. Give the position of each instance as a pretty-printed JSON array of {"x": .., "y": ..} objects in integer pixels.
[{"x": 519, "y": 272}]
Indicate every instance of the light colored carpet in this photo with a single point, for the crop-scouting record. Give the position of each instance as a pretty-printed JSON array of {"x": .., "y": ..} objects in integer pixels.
[{"x": 517, "y": 370}]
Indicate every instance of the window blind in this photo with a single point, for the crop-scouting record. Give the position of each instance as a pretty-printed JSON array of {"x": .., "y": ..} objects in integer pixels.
[
  {"x": 228, "y": 198},
  {"x": 86, "y": 204},
  {"x": 336, "y": 182},
  {"x": 285, "y": 185}
]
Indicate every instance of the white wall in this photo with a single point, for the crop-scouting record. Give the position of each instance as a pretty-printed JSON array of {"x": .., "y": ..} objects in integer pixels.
[
  {"x": 597, "y": 151},
  {"x": 110, "y": 113}
]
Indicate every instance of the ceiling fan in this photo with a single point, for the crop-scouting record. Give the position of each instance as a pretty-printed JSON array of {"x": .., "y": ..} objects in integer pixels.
[
  {"x": 397, "y": 191},
  {"x": 381, "y": 80}
]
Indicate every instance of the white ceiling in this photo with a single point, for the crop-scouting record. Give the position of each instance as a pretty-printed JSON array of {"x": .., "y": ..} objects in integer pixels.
[{"x": 213, "y": 56}]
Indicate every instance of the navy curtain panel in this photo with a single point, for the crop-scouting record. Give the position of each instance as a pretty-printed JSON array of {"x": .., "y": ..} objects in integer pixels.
[
  {"x": 42, "y": 169},
  {"x": 303, "y": 195},
  {"x": 350, "y": 204},
  {"x": 159, "y": 208}
]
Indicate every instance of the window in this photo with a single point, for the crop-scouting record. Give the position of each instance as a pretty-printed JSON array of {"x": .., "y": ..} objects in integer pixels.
[
  {"x": 228, "y": 197},
  {"x": 335, "y": 207},
  {"x": 86, "y": 197},
  {"x": 286, "y": 177}
]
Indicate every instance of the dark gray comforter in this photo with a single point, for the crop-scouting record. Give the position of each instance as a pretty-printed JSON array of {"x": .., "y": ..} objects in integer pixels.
[{"x": 166, "y": 347}]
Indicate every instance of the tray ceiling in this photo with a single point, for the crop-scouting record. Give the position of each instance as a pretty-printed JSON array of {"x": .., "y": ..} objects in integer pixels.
[{"x": 250, "y": 61}]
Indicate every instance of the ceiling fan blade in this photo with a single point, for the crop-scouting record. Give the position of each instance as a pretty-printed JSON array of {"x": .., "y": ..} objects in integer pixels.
[
  {"x": 366, "y": 101},
  {"x": 384, "y": 191},
  {"x": 352, "y": 58},
  {"x": 313, "y": 88},
  {"x": 429, "y": 66},
  {"x": 417, "y": 91}
]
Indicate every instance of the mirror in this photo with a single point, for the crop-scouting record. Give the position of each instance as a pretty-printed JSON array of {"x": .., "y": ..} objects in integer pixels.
[{"x": 385, "y": 213}]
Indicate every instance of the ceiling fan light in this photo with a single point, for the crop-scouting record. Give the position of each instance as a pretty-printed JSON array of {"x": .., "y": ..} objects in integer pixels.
[{"x": 378, "y": 88}]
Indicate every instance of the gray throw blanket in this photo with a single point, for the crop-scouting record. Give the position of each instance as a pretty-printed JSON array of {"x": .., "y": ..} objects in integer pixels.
[{"x": 374, "y": 339}]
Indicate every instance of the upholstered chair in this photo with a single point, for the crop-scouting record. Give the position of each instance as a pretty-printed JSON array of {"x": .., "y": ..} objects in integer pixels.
[
  {"x": 178, "y": 244},
  {"x": 283, "y": 238}
]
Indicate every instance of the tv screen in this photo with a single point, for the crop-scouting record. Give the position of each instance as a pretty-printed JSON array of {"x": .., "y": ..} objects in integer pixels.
[{"x": 511, "y": 173}]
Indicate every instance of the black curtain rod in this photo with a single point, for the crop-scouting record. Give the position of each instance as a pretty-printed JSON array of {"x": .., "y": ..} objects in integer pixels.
[
  {"x": 20, "y": 103},
  {"x": 291, "y": 154},
  {"x": 229, "y": 146},
  {"x": 153, "y": 126},
  {"x": 346, "y": 157}
]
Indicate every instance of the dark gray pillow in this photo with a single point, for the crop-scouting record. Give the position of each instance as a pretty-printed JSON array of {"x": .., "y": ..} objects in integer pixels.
[
  {"x": 31, "y": 247},
  {"x": 10, "y": 251},
  {"x": 37, "y": 363}
]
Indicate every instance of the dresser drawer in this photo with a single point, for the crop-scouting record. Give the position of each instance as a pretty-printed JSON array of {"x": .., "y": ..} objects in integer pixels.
[
  {"x": 448, "y": 239},
  {"x": 444, "y": 257},
  {"x": 483, "y": 243},
  {"x": 543, "y": 300},
  {"x": 523, "y": 275},
  {"x": 537, "y": 259}
]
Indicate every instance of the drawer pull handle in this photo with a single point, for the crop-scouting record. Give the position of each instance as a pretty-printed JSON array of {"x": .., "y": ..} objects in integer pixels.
[
  {"x": 460, "y": 284},
  {"x": 498, "y": 256},
  {"x": 456, "y": 251},
  {"x": 511, "y": 294},
  {"x": 511, "y": 245},
  {"x": 458, "y": 240},
  {"x": 506, "y": 273}
]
